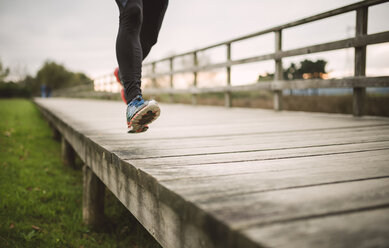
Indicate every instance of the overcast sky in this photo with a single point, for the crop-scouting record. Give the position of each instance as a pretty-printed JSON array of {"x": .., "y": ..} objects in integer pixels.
[{"x": 81, "y": 34}]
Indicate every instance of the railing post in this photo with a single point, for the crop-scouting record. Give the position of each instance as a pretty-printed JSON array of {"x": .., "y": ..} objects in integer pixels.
[
  {"x": 195, "y": 64},
  {"x": 153, "y": 79},
  {"x": 278, "y": 75},
  {"x": 227, "y": 95},
  {"x": 359, "y": 94},
  {"x": 171, "y": 78}
]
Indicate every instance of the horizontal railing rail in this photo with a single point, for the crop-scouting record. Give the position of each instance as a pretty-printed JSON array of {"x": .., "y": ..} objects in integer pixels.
[
  {"x": 349, "y": 82},
  {"x": 317, "y": 17},
  {"x": 324, "y": 47},
  {"x": 358, "y": 83}
]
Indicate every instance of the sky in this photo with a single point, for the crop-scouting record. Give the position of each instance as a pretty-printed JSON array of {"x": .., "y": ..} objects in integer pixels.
[{"x": 81, "y": 35}]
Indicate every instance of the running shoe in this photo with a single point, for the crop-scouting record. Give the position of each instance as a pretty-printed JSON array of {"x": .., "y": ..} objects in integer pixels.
[{"x": 140, "y": 113}]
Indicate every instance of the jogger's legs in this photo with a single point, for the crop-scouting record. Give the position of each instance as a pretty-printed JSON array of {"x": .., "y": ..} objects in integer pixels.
[
  {"x": 140, "y": 22},
  {"x": 128, "y": 46},
  {"x": 153, "y": 14}
]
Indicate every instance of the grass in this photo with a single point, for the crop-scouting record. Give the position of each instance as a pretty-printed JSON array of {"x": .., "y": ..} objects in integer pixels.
[{"x": 40, "y": 199}]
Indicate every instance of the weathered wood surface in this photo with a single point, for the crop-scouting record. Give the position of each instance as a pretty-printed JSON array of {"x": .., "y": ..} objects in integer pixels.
[{"x": 217, "y": 177}]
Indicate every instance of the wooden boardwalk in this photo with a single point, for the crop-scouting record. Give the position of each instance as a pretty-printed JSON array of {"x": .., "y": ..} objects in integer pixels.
[{"x": 218, "y": 177}]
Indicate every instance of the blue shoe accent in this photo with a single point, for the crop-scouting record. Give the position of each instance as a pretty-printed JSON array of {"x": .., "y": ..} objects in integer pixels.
[
  {"x": 134, "y": 106},
  {"x": 140, "y": 113}
]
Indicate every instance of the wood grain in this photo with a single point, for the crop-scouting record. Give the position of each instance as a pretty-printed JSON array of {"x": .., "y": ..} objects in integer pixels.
[{"x": 217, "y": 177}]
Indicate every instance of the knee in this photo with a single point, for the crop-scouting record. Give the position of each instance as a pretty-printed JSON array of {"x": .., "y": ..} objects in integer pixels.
[{"x": 131, "y": 16}]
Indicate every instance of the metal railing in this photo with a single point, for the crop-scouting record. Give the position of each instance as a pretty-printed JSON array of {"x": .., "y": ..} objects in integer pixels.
[{"x": 359, "y": 82}]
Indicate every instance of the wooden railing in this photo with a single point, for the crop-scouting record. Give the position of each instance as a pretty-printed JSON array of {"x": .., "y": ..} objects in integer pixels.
[{"x": 359, "y": 82}]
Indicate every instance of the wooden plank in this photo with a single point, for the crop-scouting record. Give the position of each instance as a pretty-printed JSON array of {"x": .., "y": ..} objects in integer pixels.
[
  {"x": 183, "y": 133},
  {"x": 254, "y": 142},
  {"x": 205, "y": 125},
  {"x": 196, "y": 122},
  {"x": 182, "y": 171},
  {"x": 205, "y": 182},
  {"x": 359, "y": 229},
  {"x": 150, "y": 159},
  {"x": 266, "y": 208},
  {"x": 181, "y": 204}
]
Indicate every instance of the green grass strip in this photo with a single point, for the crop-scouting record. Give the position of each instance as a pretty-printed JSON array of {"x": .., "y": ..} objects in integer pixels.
[{"x": 40, "y": 199}]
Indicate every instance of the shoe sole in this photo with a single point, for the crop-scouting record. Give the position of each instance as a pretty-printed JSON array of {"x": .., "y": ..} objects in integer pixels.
[
  {"x": 140, "y": 130},
  {"x": 146, "y": 115}
]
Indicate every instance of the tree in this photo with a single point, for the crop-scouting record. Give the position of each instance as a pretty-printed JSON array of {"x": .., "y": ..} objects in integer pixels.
[
  {"x": 53, "y": 75},
  {"x": 292, "y": 72},
  {"x": 3, "y": 72},
  {"x": 50, "y": 74},
  {"x": 9, "y": 88},
  {"x": 308, "y": 69},
  {"x": 30, "y": 84},
  {"x": 266, "y": 77},
  {"x": 56, "y": 76},
  {"x": 79, "y": 78}
]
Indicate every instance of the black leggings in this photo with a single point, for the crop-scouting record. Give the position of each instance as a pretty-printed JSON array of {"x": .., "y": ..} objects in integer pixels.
[{"x": 139, "y": 25}]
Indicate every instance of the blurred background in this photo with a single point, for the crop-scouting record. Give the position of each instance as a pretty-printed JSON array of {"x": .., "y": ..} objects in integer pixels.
[{"x": 61, "y": 44}]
